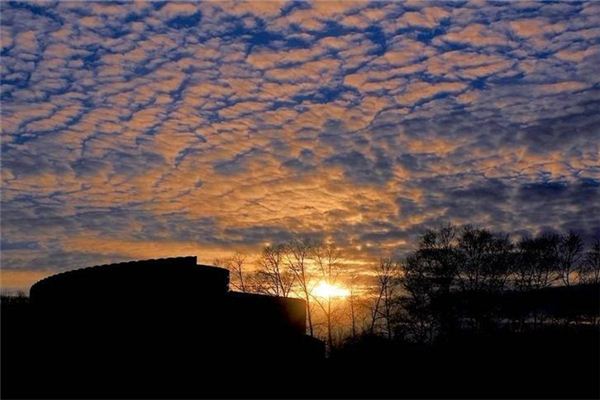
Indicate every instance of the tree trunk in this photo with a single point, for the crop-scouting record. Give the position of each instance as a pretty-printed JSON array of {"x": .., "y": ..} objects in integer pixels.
[
  {"x": 352, "y": 316},
  {"x": 308, "y": 315},
  {"x": 329, "y": 337}
]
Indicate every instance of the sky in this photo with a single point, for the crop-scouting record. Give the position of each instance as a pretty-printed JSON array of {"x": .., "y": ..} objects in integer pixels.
[{"x": 147, "y": 129}]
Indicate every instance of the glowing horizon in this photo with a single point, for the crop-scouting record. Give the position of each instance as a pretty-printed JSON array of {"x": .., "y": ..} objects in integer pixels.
[{"x": 328, "y": 290}]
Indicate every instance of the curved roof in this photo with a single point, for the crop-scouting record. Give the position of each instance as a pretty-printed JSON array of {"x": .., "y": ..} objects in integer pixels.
[{"x": 177, "y": 276}]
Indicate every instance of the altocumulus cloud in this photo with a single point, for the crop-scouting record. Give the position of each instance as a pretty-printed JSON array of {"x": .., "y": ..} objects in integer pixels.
[{"x": 150, "y": 129}]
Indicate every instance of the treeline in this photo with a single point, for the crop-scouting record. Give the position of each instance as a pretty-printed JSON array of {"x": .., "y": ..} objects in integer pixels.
[
  {"x": 476, "y": 280},
  {"x": 468, "y": 313},
  {"x": 294, "y": 268},
  {"x": 456, "y": 279}
]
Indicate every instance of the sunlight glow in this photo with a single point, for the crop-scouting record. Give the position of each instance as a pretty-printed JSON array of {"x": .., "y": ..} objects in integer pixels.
[{"x": 327, "y": 290}]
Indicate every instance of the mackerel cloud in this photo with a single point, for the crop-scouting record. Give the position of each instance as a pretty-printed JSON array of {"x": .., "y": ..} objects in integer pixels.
[{"x": 151, "y": 129}]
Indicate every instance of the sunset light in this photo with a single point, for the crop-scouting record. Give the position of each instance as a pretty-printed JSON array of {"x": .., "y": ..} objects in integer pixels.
[
  {"x": 327, "y": 290},
  {"x": 305, "y": 199},
  {"x": 158, "y": 128}
]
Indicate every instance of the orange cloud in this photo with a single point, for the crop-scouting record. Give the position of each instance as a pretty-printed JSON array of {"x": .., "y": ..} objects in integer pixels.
[{"x": 419, "y": 91}]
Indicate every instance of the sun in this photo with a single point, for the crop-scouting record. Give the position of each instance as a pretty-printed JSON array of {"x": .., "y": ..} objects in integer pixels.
[{"x": 327, "y": 290}]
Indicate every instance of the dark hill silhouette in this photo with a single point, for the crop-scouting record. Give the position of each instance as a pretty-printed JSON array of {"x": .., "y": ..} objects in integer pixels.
[{"x": 164, "y": 327}]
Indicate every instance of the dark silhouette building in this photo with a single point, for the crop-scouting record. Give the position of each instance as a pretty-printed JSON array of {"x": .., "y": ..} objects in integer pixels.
[{"x": 164, "y": 327}]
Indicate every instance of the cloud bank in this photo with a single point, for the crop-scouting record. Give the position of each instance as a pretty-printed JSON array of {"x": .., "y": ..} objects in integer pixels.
[{"x": 152, "y": 129}]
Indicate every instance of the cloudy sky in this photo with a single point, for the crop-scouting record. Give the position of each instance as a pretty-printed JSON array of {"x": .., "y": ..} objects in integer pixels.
[{"x": 142, "y": 129}]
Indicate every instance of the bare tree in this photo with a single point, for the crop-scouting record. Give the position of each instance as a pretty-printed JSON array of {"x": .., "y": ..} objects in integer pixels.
[
  {"x": 297, "y": 258},
  {"x": 589, "y": 271},
  {"x": 537, "y": 262},
  {"x": 274, "y": 276},
  {"x": 387, "y": 275},
  {"x": 352, "y": 301},
  {"x": 326, "y": 257},
  {"x": 482, "y": 259},
  {"x": 428, "y": 276},
  {"x": 236, "y": 265},
  {"x": 569, "y": 255},
  {"x": 437, "y": 251}
]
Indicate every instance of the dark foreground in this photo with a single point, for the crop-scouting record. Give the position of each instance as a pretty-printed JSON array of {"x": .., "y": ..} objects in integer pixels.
[
  {"x": 169, "y": 328},
  {"x": 556, "y": 362}
]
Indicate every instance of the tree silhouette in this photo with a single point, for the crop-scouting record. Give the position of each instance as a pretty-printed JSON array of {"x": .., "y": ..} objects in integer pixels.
[
  {"x": 589, "y": 270},
  {"x": 273, "y": 273},
  {"x": 236, "y": 264},
  {"x": 352, "y": 302},
  {"x": 327, "y": 259},
  {"x": 482, "y": 260},
  {"x": 297, "y": 258},
  {"x": 387, "y": 276},
  {"x": 512, "y": 312},
  {"x": 429, "y": 276},
  {"x": 570, "y": 250},
  {"x": 483, "y": 269},
  {"x": 538, "y": 262}
]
